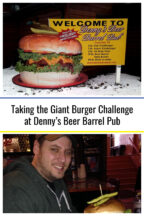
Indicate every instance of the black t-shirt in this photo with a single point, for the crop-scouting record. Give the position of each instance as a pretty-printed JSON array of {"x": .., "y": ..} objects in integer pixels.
[{"x": 51, "y": 184}]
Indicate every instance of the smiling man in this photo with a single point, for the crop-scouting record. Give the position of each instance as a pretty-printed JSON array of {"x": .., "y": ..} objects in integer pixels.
[{"x": 36, "y": 186}]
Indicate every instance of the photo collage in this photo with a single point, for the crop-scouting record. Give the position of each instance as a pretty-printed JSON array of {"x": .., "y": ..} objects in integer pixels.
[{"x": 72, "y": 105}]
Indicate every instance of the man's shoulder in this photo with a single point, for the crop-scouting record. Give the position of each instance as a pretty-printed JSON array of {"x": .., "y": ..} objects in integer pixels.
[
  {"x": 17, "y": 172},
  {"x": 16, "y": 177}
]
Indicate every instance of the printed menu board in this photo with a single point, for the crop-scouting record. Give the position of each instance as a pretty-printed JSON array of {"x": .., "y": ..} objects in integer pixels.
[{"x": 103, "y": 40}]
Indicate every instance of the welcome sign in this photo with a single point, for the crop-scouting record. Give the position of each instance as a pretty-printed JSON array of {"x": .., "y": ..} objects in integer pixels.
[{"x": 103, "y": 40}]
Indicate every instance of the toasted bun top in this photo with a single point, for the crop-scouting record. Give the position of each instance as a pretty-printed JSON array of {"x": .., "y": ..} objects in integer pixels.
[
  {"x": 49, "y": 43},
  {"x": 112, "y": 205}
]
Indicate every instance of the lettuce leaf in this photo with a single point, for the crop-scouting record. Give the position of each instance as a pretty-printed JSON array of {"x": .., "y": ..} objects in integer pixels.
[
  {"x": 128, "y": 211},
  {"x": 57, "y": 68},
  {"x": 24, "y": 56}
]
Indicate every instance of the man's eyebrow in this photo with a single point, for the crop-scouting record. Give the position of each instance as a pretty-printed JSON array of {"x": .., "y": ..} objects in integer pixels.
[{"x": 57, "y": 146}]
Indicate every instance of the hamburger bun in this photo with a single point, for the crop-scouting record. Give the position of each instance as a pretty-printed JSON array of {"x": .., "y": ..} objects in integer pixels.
[
  {"x": 48, "y": 78},
  {"x": 49, "y": 44},
  {"x": 111, "y": 206}
]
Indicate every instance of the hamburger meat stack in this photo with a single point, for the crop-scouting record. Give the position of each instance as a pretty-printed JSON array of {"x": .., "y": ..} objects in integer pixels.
[{"x": 47, "y": 60}]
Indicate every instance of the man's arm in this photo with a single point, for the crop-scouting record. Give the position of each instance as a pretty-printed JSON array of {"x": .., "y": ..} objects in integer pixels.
[{"x": 16, "y": 200}]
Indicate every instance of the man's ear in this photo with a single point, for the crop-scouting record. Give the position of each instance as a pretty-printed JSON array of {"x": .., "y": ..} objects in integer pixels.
[{"x": 36, "y": 147}]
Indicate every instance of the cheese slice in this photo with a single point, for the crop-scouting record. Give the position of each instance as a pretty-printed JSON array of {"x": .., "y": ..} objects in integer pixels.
[{"x": 53, "y": 61}]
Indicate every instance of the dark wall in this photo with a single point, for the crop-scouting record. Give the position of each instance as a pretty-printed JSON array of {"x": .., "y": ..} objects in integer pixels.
[
  {"x": 133, "y": 48},
  {"x": 17, "y": 17}
]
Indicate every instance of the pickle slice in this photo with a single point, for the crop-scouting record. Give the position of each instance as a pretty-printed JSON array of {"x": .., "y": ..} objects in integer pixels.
[
  {"x": 101, "y": 201},
  {"x": 43, "y": 31},
  {"x": 102, "y": 197}
]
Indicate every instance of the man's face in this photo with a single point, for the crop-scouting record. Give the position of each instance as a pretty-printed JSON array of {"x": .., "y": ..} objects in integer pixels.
[{"x": 53, "y": 158}]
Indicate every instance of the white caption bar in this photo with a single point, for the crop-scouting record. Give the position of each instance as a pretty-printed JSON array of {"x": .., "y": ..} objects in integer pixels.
[{"x": 72, "y": 115}]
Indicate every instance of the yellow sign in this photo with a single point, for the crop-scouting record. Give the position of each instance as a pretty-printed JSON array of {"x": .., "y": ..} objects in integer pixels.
[{"x": 103, "y": 40}]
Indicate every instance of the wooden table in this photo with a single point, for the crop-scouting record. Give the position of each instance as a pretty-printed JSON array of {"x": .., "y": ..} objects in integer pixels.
[{"x": 84, "y": 185}]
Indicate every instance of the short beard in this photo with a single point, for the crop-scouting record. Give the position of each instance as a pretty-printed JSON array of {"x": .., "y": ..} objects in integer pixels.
[{"x": 43, "y": 172}]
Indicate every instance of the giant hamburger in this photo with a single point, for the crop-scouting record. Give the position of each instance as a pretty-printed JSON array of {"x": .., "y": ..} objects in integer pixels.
[
  {"x": 105, "y": 204},
  {"x": 46, "y": 60},
  {"x": 111, "y": 206}
]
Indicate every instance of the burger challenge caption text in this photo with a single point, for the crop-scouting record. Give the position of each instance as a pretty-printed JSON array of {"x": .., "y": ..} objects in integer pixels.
[{"x": 81, "y": 116}]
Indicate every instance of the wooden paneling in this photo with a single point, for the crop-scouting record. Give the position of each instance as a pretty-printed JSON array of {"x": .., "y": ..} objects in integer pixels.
[
  {"x": 86, "y": 10},
  {"x": 123, "y": 169}
]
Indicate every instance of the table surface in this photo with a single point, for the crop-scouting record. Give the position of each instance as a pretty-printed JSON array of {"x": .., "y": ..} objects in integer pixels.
[
  {"x": 84, "y": 185},
  {"x": 100, "y": 85}
]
